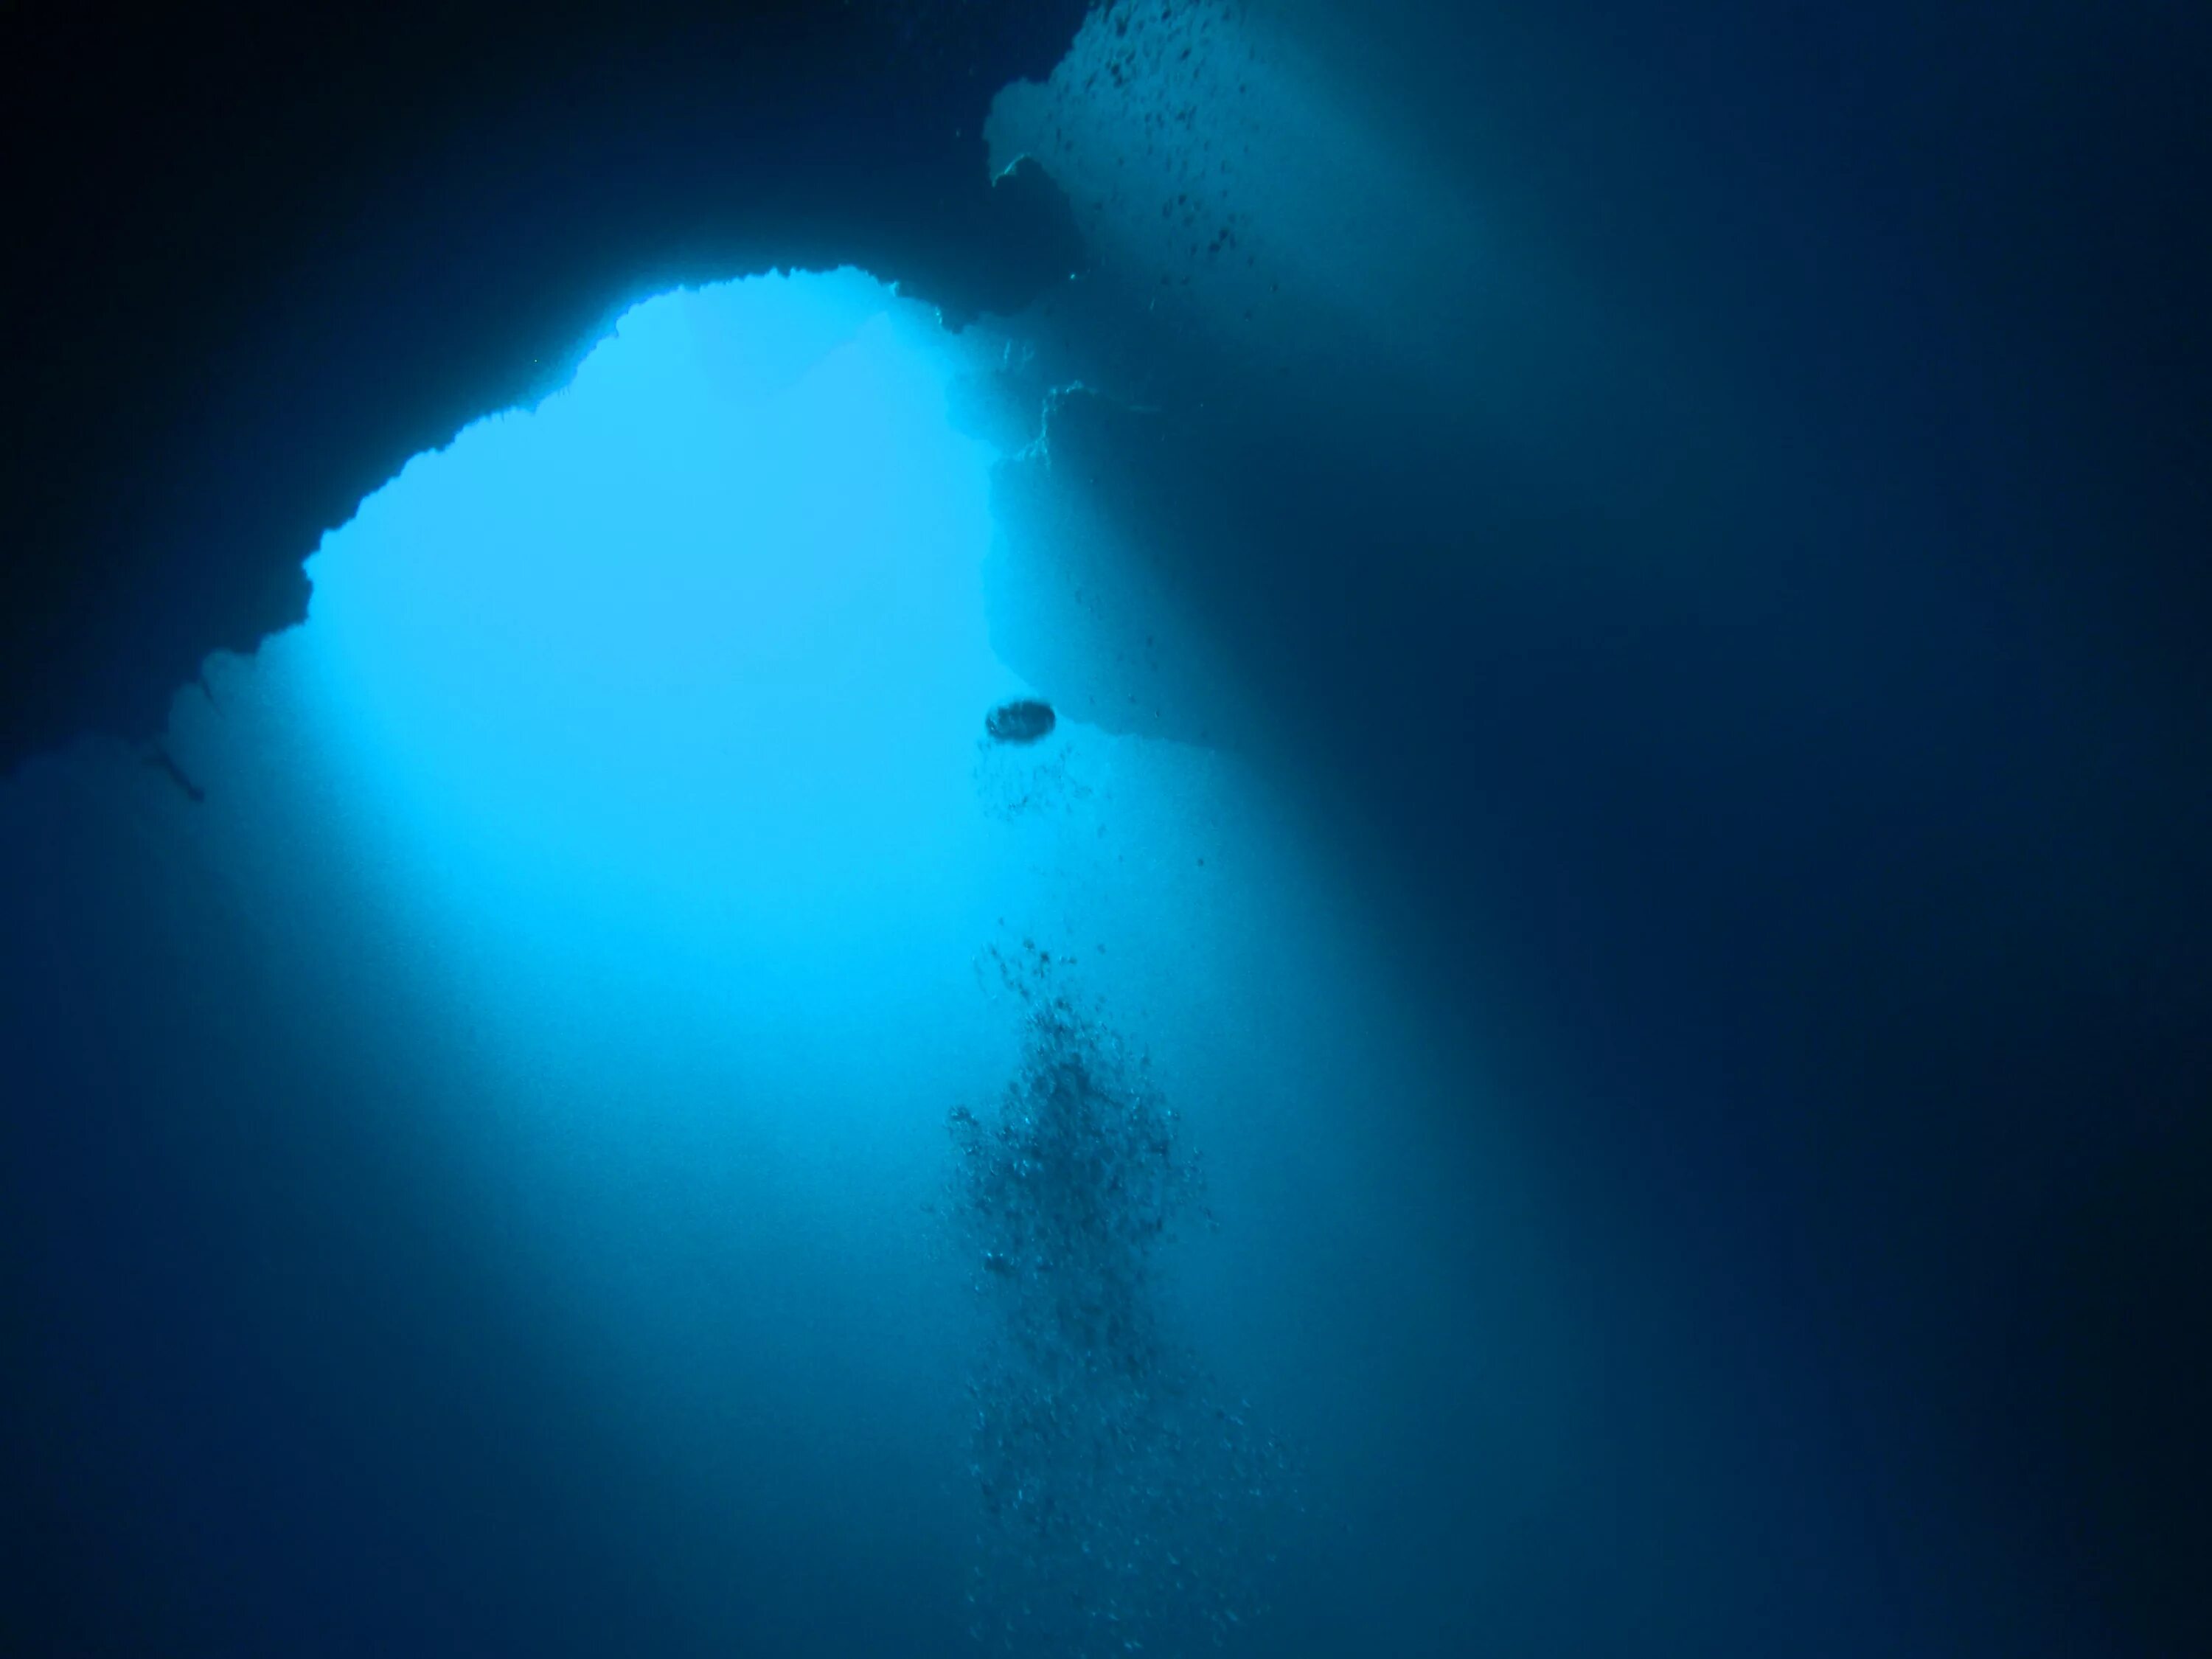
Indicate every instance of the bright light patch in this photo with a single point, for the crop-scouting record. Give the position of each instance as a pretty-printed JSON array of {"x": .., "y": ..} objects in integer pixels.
[{"x": 702, "y": 634}]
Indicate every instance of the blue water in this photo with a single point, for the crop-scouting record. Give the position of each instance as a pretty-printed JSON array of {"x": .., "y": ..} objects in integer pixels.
[
  {"x": 581, "y": 1101},
  {"x": 533, "y": 1064}
]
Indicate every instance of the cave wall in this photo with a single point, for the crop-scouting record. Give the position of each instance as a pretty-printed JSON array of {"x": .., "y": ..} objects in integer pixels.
[{"x": 262, "y": 254}]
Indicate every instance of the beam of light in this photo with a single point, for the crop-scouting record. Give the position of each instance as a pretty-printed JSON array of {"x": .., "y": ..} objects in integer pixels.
[
  {"x": 1217, "y": 165},
  {"x": 1237, "y": 177},
  {"x": 615, "y": 841}
]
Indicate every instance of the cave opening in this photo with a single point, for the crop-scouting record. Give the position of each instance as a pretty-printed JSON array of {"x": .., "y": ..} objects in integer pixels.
[{"x": 714, "y": 609}]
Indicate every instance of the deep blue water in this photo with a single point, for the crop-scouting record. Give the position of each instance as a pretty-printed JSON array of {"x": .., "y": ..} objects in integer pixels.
[{"x": 1537, "y": 1064}]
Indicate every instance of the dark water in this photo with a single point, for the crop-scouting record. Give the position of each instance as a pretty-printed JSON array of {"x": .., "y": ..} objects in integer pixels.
[{"x": 1585, "y": 1035}]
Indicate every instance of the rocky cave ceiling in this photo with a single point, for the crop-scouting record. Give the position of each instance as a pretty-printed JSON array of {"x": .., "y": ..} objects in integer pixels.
[{"x": 263, "y": 253}]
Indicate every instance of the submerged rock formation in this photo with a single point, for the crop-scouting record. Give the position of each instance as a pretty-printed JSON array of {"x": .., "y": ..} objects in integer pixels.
[{"x": 1025, "y": 720}]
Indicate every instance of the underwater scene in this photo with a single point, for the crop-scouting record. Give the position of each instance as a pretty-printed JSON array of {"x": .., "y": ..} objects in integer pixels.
[
  {"x": 1445, "y": 910},
  {"x": 775, "y": 1109}
]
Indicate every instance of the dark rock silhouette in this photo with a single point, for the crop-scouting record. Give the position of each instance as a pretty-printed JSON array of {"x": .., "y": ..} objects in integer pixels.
[{"x": 1025, "y": 720}]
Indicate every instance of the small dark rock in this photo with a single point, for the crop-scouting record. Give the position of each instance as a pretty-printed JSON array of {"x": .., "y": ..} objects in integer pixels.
[{"x": 1025, "y": 720}]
